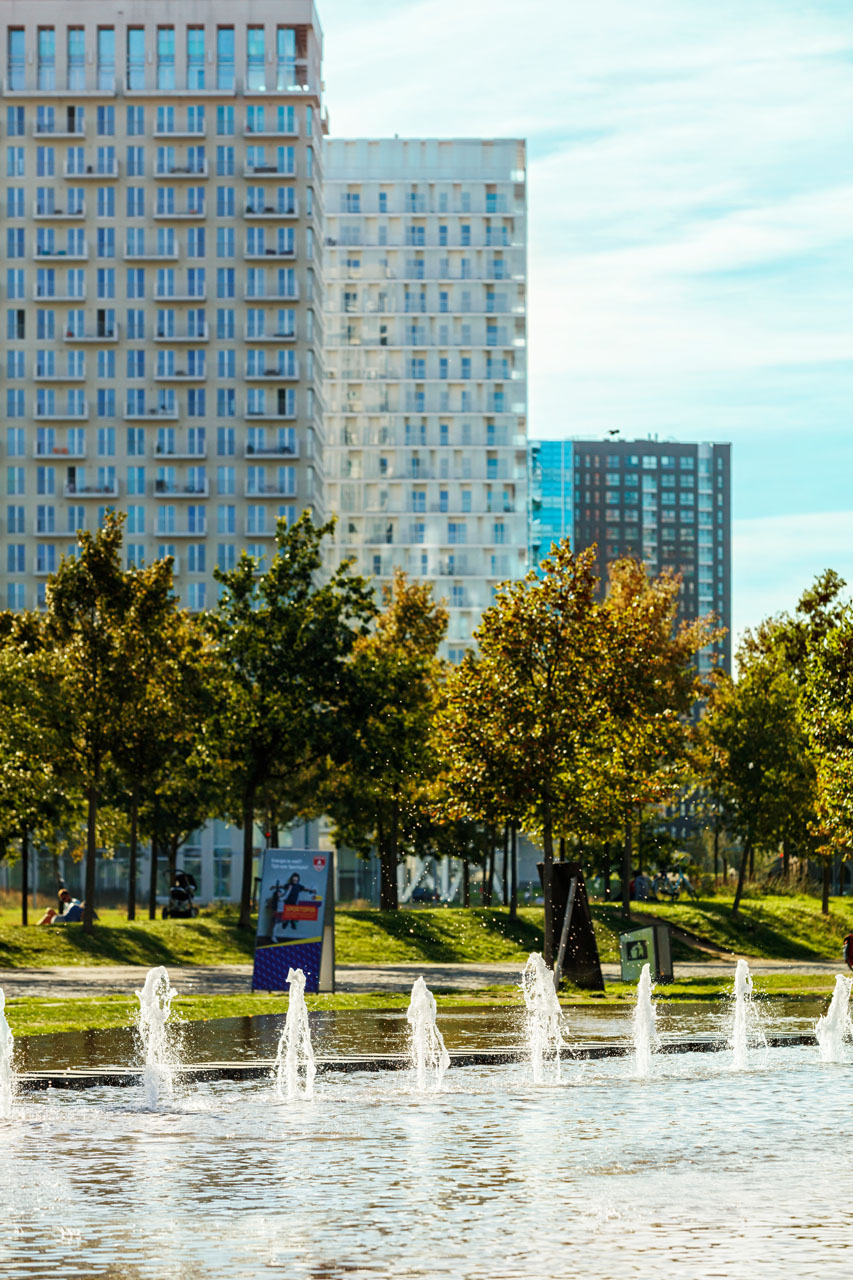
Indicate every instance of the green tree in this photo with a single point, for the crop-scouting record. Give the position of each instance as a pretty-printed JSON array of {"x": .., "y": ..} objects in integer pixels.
[
  {"x": 89, "y": 602},
  {"x": 379, "y": 794},
  {"x": 759, "y": 752},
  {"x": 283, "y": 638}
]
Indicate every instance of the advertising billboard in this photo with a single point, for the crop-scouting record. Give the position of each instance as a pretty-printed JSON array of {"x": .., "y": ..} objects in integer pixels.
[{"x": 295, "y": 919}]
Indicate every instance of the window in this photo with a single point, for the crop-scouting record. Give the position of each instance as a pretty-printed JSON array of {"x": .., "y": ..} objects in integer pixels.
[
  {"x": 106, "y": 122},
  {"x": 45, "y": 162},
  {"x": 135, "y": 202},
  {"x": 135, "y": 122},
  {"x": 225, "y": 242},
  {"x": 136, "y": 57},
  {"x": 285, "y": 41},
  {"x": 225, "y": 442},
  {"x": 165, "y": 57},
  {"x": 135, "y": 162},
  {"x": 106, "y": 202},
  {"x": 46, "y": 58},
  {"x": 76, "y": 58},
  {"x": 225, "y": 121},
  {"x": 16, "y": 61},
  {"x": 195, "y": 57},
  {"x": 255, "y": 72},
  {"x": 225, "y": 162},
  {"x": 106, "y": 242},
  {"x": 225, "y": 202}
]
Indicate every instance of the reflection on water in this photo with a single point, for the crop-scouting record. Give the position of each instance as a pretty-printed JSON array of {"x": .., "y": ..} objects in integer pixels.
[
  {"x": 350, "y": 1032},
  {"x": 695, "y": 1171}
]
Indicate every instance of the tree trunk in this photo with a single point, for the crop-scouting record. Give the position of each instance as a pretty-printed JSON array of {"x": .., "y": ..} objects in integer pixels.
[
  {"x": 152, "y": 881},
  {"x": 505, "y": 876},
  {"x": 842, "y": 871},
  {"x": 133, "y": 854},
  {"x": 747, "y": 853},
  {"x": 173, "y": 859},
  {"x": 91, "y": 854},
  {"x": 487, "y": 865},
  {"x": 716, "y": 849},
  {"x": 245, "y": 920},
  {"x": 548, "y": 881},
  {"x": 25, "y": 876},
  {"x": 725, "y": 871},
  {"x": 562, "y": 848},
  {"x": 786, "y": 858},
  {"x": 466, "y": 883},
  {"x": 513, "y": 875},
  {"x": 606, "y": 870},
  {"x": 751, "y": 862},
  {"x": 388, "y": 897},
  {"x": 827, "y": 878},
  {"x": 272, "y": 834},
  {"x": 626, "y": 867}
]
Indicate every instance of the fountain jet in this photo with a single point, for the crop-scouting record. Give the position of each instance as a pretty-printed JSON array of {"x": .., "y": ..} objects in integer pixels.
[
  {"x": 646, "y": 1039},
  {"x": 746, "y": 1027},
  {"x": 7, "y": 1074},
  {"x": 427, "y": 1043},
  {"x": 544, "y": 1017},
  {"x": 294, "y": 1064},
  {"x": 835, "y": 1026},
  {"x": 155, "y": 1003}
]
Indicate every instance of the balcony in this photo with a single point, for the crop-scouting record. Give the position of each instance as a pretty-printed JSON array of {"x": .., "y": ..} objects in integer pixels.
[
  {"x": 253, "y": 212},
  {"x": 42, "y": 213},
  {"x": 181, "y": 375},
  {"x": 86, "y": 335},
  {"x": 44, "y": 295},
  {"x": 80, "y": 414},
  {"x": 250, "y": 132},
  {"x": 283, "y": 335},
  {"x": 202, "y": 335},
  {"x": 280, "y": 373},
  {"x": 180, "y": 455},
  {"x": 163, "y": 489},
  {"x": 268, "y": 531},
  {"x": 157, "y": 413},
  {"x": 41, "y": 375},
  {"x": 271, "y": 255},
  {"x": 267, "y": 171},
  {"x": 199, "y": 530},
  {"x": 73, "y": 489},
  {"x": 80, "y": 254},
  {"x": 181, "y": 133},
  {"x": 292, "y": 296},
  {"x": 52, "y": 533},
  {"x": 193, "y": 212},
  {"x": 274, "y": 451},
  {"x": 44, "y": 129},
  {"x": 269, "y": 415},
  {"x": 58, "y": 454},
  {"x": 271, "y": 490},
  {"x": 92, "y": 172},
  {"x": 201, "y": 296},
  {"x": 152, "y": 255},
  {"x": 170, "y": 173}
]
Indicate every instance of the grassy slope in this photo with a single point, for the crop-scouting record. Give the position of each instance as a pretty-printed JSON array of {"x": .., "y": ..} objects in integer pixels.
[{"x": 786, "y": 927}]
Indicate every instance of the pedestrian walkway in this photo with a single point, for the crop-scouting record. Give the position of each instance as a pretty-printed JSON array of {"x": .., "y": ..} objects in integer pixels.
[{"x": 77, "y": 982}]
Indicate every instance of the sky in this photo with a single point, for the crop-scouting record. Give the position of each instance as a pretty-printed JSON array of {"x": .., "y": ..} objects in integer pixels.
[{"x": 690, "y": 224}]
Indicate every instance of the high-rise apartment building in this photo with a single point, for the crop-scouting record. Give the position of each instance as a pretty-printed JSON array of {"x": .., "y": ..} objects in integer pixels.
[
  {"x": 666, "y": 503},
  {"x": 426, "y": 401},
  {"x": 163, "y": 329}
]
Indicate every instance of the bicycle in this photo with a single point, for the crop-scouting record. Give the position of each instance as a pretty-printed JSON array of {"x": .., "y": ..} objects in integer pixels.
[{"x": 671, "y": 883}]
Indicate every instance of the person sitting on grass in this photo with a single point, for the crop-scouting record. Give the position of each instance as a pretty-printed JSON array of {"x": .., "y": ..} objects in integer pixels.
[{"x": 70, "y": 910}]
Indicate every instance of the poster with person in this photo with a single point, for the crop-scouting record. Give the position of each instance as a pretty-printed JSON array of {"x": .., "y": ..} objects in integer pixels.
[{"x": 292, "y": 901}]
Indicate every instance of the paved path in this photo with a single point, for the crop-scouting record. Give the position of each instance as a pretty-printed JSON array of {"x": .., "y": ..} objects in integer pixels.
[{"x": 79, "y": 981}]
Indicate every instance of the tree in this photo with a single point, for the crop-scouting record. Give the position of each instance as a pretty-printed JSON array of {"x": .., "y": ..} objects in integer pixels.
[
  {"x": 89, "y": 601},
  {"x": 759, "y": 751},
  {"x": 283, "y": 638},
  {"x": 379, "y": 794}
]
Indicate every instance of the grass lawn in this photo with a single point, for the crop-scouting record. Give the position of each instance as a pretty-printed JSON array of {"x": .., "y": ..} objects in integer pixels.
[
  {"x": 773, "y": 926},
  {"x": 40, "y": 1016}
]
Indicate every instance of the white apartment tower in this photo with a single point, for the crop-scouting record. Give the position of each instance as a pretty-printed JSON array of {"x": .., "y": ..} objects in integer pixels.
[
  {"x": 162, "y": 337},
  {"x": 425, "y": 262}
]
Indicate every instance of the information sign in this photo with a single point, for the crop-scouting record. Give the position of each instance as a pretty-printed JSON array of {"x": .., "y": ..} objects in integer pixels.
[{"x": 295, "y": 920}]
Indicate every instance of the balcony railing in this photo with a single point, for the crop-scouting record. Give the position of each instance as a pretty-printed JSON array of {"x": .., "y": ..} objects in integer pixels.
[
  {"x": 199, "y": 296},
  {"x": 155, "y": 412},
  {"x": 43, "y": 375},
  {"x": 42, "y": 211},
  {"x": 184, "y": 335},
  {"x": 272, "y": 450},
  {"x": 165, "y": 489},
  {"x": 105, "y": 334},
  {"x": 281, "y": 335},
  {"x": 178, "y": 171},
  {"x": 78, "y": 254},
  {"x": 180, "y": 454},
  {"x": 48, "y": 129},
  {"x": 277, "y": 413},
  {"x": 152, "y": 255},
  {"x": 58, "y": 453},
  {"x": 79, "y": 489},
  {"x": 268, "y": 255},
  {"x": 43, "y": 293},
  {"x": 290, "y": 210},
  {"x": 77, "y": 413},
  {"x": 291, "y": 295},
  {"x": 181, "y": 375},
  {"x": 270, "y": 490},
  {"x": 92, "y": 172},
  {"x": 189, "y": 213},
  {"x": 276, "y": 373},
  {"x": 198, "y": 530},
  {"x": 268, "y": 170}
]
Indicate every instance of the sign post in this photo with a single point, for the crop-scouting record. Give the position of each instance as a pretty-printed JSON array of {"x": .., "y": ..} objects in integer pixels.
[{"x": 296, "y": 920}]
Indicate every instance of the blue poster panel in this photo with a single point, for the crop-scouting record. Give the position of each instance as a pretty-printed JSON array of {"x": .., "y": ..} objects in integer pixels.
[{"x": 291, "y": 914}]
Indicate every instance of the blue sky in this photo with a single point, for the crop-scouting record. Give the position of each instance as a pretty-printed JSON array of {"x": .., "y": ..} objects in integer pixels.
[{"x": 690, "y": 188}]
